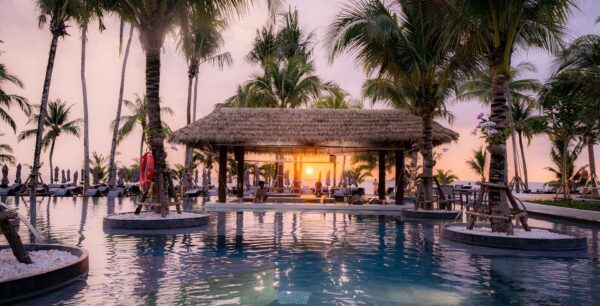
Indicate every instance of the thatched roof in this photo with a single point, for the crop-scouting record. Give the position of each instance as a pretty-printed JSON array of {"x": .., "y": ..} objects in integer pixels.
[{"x": 309, "y": 130}]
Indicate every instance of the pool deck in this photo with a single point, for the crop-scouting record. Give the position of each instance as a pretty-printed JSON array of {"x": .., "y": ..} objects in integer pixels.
[
  {"x": 572, "y": 214},
  {"x": 344, "y": 208}
]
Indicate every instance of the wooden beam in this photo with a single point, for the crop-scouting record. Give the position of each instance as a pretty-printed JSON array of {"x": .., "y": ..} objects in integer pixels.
[
  {"x": 381, "y": 186},
  {"x": 239, "y": 158},
  {"x": 400, "y": 182},
  {"x": 222, "y": 174}
]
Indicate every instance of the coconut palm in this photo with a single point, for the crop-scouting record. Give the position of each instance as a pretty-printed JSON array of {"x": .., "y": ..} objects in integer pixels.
[
  {"x": 200, "y": 41},
  {"x": 496, "y": 29},
  {"x": 522, "y": 94},
  {"x": 139, "y": 117},
  {"x": 564, "y": 105},
  {"x": 57, "y": 13},
  {"x": 57, "y": 122},
  {"x": 7, "y": 100},
  {"x": 358, "y": 175},
  {"x": 446, "y": 177},
  {"x": 370, "y": 162},
  {"x": 337, "y": 98},
  {"x": 477, "y": 163},
  {"x": 524, "y": 124},
  {"x": 153, "y": 20},
  {"x": 414, "y": 60},
  {"x": 6, "y": 153},
  {"x": 558, "y": 158},
  {"x": 112, "y": 174},
  {"x": 99, "y": 165},
  {"x": 88, "y": 11}
]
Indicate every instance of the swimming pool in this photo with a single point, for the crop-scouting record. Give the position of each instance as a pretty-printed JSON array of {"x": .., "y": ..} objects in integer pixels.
[{"x": 268, "y": 258}]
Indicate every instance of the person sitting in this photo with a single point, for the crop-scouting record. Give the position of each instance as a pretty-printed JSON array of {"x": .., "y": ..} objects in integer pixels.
[{"x": 261, "y": 193}]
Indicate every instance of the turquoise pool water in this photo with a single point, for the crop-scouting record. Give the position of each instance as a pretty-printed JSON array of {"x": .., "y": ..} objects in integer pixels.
[{"x": 306, "y": 258}]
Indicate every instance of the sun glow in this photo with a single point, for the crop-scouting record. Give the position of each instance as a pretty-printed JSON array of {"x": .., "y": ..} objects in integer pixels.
[{"x": 309, "y": 170}]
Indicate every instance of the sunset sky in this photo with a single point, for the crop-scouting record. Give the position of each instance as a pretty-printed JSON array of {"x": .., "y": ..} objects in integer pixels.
[{"x": 26, "y": 48}]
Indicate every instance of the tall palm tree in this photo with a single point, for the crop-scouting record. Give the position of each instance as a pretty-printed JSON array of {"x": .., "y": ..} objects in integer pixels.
[
  {"x": 112, "y": 173},
  {"x": 524, "y": 124},
  {"x": 522, "y": 94},
  {"x": 200, "y": 41},
  {"x": 99, "y": 166},
  {"x": 497, "y": 29},
  {"x": 7, "y": 100},
  {"x": 558, "y": 156},
  {"x": 416, "y": 62},
  {"x": 6, "y": 153},
  {"x": 56, "y": 122},
  {"x": 478, "y": 162},
  {"x": 139, "y": 117},
  {"x": 88, "y": 11},
  {"x": 583, "y": 55},
  {"x": 57, "y": 13},
  {"x": 154, "y": 19}
]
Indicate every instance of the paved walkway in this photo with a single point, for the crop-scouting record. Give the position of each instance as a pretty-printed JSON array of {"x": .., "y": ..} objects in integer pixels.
[{"x": 564, "y": 212}]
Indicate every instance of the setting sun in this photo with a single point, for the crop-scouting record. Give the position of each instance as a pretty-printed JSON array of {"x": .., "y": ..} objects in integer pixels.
[{"x": 309, "y": 170}]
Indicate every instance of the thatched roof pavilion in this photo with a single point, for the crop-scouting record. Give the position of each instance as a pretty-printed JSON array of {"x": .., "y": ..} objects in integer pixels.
[
  {"x": 326, "y": 131},
  {"x": 318, "y": 131}
]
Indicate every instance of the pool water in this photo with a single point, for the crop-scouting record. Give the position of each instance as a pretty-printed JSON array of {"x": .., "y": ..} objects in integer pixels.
[{"x": 268, "y": 258}]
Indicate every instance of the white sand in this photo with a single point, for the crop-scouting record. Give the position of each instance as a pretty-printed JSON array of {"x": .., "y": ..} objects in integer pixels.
[
  {"x": 518, "y": 233},
  {"x": 153, "y": 216},
  {"x": 43, "y": 261}
]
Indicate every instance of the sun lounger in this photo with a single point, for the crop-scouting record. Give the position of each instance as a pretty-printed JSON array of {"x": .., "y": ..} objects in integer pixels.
[
  {"x": 92, "y": 193},
  {"x": 60, "y": 192}
]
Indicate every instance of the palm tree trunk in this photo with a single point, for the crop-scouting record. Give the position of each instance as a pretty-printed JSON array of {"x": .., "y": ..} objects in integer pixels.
[
  {"x": 592, "y": 162},
  {"x": 195, "y": 95},
  {"x": 50, "y": 160},
  {"x": 142, "y": 142},
  {"x": 112, "y": 173},
  {"x": 565, "y": 170},
  {"x": 156, "y": 138},
  {"x": 188, "y": 149},
  {"x": 525, "y": 176},
  {"x": 427, "y": 162},
  {"x": 43, "y": 105},
  {"x": 86, "y": 137},
  {"x": 498, "y": 174},
  {"x": 514, "y": 145}
]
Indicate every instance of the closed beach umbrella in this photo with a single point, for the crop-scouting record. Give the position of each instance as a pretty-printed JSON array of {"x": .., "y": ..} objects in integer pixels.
[
  {"x": 256, "y": 175},
  {"x": 209, "y": 176},
  {"x": 328, "y": 178},
  {"x": 68, "y": 175},
  {"x": 56, "y": 174},
  {"x": 319, "y": 175},
  {"x": 343, "y": 179},
  {"x": 18, "y": 174},
  {"x": 246, "y": 177},
  {"x": 196, "y": 175},
  {"x": 287, "y": 177},
  {"x": 63, "y": 177},
  {"x": 75, "y": 176},
  {"x": 5, "y": 175},
  {"x": 204, "y": 179},
  {"x": 95, "y": 177},
  {"x": 229, "y": 176}
]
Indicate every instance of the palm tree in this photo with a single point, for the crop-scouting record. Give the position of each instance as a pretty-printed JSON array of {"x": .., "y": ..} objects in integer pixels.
[
  {"x": 478, "y": 162},
  {"x": 337, "y": 98},
  {"x": 139, "y": 116},
  {"x": 6, "y": 153},
  {"x": 87, "y": 12},
  {"x": 524, "y": 123},
  {"x": 583, "y": 55},
  {"x": 495, "y": 30},
  {"x": 154, "y": 19},
  {"x": 200, "y": 41},
  {"x": 446, "y": 177},
  {"x": 369, "y": 162},
  {"x": 558, "y": 155},
  {"x": 522, "y": 94},
  {"x": 56, "y": 122},
  {"x": 58, "y": 13},
  {"x": 7, "y": 100},
  {"x": 99, "y": 166},
  {"x": 358, "y": 175},
  {"x": 112, "y": 174},
  {"x": 415, "y": 60},
  {"x": 564, "y": 105}
]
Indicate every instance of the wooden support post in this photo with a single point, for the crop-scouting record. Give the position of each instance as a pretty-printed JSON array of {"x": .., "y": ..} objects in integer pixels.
[
  {"x": 400, "y": 182},
  {"x": 239, "y": 159},
  {"x": 381, "y": 186},
  {"x": 222, "y": 174}
]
